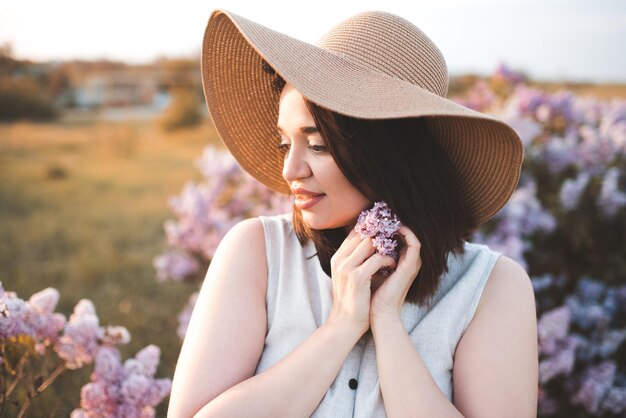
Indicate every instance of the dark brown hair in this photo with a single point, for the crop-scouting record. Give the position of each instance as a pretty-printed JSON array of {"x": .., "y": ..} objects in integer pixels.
[{"x": 397, "y": 161}]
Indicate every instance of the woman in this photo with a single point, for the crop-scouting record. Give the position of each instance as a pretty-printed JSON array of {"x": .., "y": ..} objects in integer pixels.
[{"x": 293, "y": 318}]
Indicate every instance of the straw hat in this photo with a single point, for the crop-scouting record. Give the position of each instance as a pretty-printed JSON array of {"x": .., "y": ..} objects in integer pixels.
[{"x": 372, "y": 65}]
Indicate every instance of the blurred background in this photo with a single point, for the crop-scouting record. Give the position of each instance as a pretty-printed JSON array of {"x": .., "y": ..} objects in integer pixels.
[{"x": 114, "y": 186}]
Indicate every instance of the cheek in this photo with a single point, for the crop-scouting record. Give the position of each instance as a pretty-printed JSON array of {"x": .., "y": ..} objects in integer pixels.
[
  {"x": 340, "y": 188},
  {"x": 350, "y": 197},
  {"x": 361, "y": 203}
]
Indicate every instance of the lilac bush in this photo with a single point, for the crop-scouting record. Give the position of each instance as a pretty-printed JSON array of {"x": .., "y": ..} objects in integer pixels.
[
  {"x": 575, "y": 158},
  {"x": 205, "y": 211},
  {"x": 123, "y": 390},
  {"x": 521, "y": 217},
  {"x": 37, "y": 345},
  {"x": 565, "y": 224},
  {"x": 579, "y": 343}
]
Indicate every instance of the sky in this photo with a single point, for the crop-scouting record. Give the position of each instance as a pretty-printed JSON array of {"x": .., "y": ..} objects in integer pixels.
[{"x": 550, "y": 40}]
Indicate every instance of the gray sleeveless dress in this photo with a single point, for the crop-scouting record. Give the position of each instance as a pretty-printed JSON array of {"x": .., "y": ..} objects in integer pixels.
[{"x": 299, "y": 299}]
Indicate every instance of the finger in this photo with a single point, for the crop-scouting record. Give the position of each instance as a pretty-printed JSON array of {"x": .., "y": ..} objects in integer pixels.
[
  {"x": 410, "y": 254},
  {"x": 363, "y": 250},
  {"x": 409, "y": 237},
  {"x": 375, "y": 262},
  {"x": 349, "y": 243}
]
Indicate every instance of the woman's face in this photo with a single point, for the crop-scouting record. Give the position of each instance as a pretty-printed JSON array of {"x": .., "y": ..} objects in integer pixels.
[{"x": 309, "y": 165}]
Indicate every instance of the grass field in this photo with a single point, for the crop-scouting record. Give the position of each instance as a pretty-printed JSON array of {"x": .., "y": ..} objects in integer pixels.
[{"x": 82, "y": 208}]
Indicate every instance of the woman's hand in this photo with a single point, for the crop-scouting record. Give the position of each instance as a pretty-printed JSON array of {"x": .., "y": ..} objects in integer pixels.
[
  {"x": 389, "y": 296},
  {"x": 352, "y": 267}
]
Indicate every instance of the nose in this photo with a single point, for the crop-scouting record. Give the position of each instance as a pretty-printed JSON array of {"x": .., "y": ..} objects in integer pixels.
[{"x": 295, "y": 165}]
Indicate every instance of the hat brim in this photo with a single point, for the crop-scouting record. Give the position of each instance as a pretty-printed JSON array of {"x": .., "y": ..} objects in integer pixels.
[{"x": 486, "y": 152}]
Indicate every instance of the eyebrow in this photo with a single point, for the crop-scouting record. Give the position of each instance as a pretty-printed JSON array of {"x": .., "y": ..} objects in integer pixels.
[{"x": 303, "y": 129}]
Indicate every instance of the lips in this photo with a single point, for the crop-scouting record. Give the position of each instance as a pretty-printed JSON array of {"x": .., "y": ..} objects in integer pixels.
[
  {"x": 306, "y": 201},
  {"x": 301, "y": 192},
  {"x": 306, "y": 196}
]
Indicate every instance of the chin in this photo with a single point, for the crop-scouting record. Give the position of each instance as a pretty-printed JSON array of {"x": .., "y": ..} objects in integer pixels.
[{"x": 317, "y": 223}]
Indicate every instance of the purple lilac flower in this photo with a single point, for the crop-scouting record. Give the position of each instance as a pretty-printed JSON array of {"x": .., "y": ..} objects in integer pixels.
[
  {"x": 552, "y": 112},
  {"x": 135, "y": 388},
  {"x": 560, "y": 152},
  {"x": 13, "y": 315},
  {"x": 587, "y": 316},
  {"x": 596, "y": 384},
  {"x": 193, "y": 208},
  {"x": 115, "y": 335},
  {"x": 139, "y": 379},
  {"x": 611, "y": 302},
  {"x": 525, "y": 214},
  {"x": 511, "y": 245},
  {"x": 480, "y": 97},
  {"x": 507, "y": 74},
  {"x": 95, "y": 402},
  {"x": 613, "y": 123},
  {"x": 83, "y": 336},
  {"x": 586, "y": 350},
  {"x": 35, "y": 318},
  {"x": 79, "y": 342},
  {"x": 571, "y": 190},
  {"x": 527, "y": 128},
  {"x": 594, "y": 133},
  {"x": 45, "y": 324},
  {"x": 44, "y": 301},
  {"x": 108, "y": 366},
  {"x": 611, "y": 199},
  {"x": 523, "y": 102},
  {"x": 552, "y": 327},
  {"x": 217, "y": 165},
  {"x": 597, "y": 148},
  {"x": 145, "y": 362},
  {"x": 589, "y": 290},
  {"x": 549, "y": 282},
  {"x": 610, "y": 342},
  {"x": 174, "y": 265},
  {"x": 615, "y": 400},
  {"x": 542, "y": 282},
  {"x": 560, "y": 363},
  {"x": 556, "y": 110},
  {"x": 123, "y": 391},
  {"x": 381, "y": 225},
  {"x": 591, "y": 110},
  {"x": 521, "y": 216}
]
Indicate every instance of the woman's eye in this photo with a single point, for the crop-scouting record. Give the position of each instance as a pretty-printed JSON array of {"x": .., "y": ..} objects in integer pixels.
[{"x": 318, "y": 148}]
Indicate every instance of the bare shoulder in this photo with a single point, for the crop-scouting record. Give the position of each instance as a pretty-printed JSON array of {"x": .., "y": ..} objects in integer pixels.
[
  {"x": 244, "y": 245},
  {"x": 496, "y": 361},
  {"x": 247, "y": 231},
  {"x": 508, "y": 284},
  {"x": 250, "y": 225}
]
